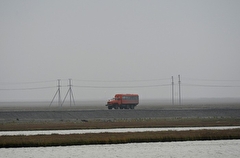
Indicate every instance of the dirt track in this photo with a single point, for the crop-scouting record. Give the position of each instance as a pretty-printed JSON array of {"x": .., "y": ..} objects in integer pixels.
[{"x": 95, "y": 113}]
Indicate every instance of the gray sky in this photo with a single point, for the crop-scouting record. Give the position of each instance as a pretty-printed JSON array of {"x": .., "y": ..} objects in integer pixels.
[{"x": 119, "y": 47}]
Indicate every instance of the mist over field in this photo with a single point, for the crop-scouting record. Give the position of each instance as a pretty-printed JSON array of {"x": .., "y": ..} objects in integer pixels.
[
  {"x": 143, "y": 104},
  {"x": 97, "y": 49}
]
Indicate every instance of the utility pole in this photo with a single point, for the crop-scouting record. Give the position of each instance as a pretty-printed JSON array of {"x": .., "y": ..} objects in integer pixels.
[
  {"x": 172, "y": 91},
  {"x": 70, "y": 93},
  {"x": 57, "y": 92},
  {"x": 179, "y": 83}
]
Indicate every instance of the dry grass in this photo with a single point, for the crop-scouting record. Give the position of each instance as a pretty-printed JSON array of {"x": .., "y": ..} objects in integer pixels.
[
  {"x": 114, "y": 138},
  {"x": 110, "y": 138}
]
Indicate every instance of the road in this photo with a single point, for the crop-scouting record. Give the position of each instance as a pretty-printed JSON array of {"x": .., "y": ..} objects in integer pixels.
[{"x": 80, "y": 114}]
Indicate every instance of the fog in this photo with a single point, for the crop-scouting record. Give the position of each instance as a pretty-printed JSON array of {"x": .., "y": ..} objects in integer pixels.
[{"x": 108, "y": 47}]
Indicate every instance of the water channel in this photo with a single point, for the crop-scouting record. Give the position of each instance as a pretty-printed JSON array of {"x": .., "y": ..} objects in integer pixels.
[
  {"x": 218, "y": 149},
  {"x": 49, "y": 132}
]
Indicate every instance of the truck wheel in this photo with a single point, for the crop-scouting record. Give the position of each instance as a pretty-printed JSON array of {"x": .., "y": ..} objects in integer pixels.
[
  {"x": 131, "y": 107},
  {"x": 109, "y": 107}
]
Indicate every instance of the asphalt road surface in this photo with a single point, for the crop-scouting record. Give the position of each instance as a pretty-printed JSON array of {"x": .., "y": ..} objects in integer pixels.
[{"x": 81, "y": 114}]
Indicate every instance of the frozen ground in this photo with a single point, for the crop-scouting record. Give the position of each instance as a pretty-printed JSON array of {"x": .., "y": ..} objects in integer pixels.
[
  {"x": 196, "y": 149},
  {"x": 41, "y": 111},
  {"x": 78, "y": 115}
]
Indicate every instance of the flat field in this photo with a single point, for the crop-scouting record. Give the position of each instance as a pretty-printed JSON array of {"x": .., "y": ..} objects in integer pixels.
[{"x": 53, "y": 118}]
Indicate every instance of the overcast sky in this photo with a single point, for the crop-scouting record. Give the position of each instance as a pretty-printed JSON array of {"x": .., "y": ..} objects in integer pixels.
[{"x": 109, "y": 47}]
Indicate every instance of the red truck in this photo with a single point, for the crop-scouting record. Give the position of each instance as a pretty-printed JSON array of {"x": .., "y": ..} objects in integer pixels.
[{"x": 123, "y": 101}]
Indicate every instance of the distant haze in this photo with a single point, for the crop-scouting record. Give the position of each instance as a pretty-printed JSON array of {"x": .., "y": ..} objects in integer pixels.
[{"x": 108, "y": 47}]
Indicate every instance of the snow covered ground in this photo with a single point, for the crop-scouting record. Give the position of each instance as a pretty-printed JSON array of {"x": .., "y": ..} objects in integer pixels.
[{"x": 196, "y": 149}]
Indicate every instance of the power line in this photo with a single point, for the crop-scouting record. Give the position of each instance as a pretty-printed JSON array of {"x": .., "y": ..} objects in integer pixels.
[
  {"x": 179, "y": 83},
  {"x": 202, "y": 85},
  {"x": 18, "y": 83},
  {"x": 57, "y": 92},
  {"x": 32, "y": 88},
  {"x": 70, "y": 92},
  {"x": 120, "y": 84},
  {"x": 123, "y": 86},
  {"x": 172, "y": 91},
  {"x": 147, "y": 80},
  {"x": 217, "y": 80}
]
